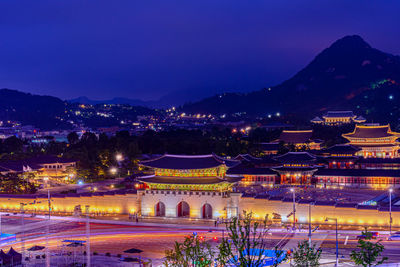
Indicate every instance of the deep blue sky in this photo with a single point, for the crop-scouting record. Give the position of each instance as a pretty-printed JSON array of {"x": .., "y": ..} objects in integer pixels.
[{"x": 146, "y": 49}]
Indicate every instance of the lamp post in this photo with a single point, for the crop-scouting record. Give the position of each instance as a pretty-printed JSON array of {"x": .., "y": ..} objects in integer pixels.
[
  {"x": 337, "y": 243},
  {"x": 119, "y": 157},
  {"x": 46, "y": 179},
  {"x": 294, "y": 208},
  {"x": 390, "y": 210},
  {"x": 309, "y": 223},
  {"x": 113, "y": 170},
  {"x": 87, "y": 236}
]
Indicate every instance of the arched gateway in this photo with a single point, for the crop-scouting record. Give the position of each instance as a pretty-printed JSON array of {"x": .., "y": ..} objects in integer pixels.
[
  {"x": 182, "y": 209},
  {"x": 206, "y": 211},
  {"x": 159, "y": 209}
]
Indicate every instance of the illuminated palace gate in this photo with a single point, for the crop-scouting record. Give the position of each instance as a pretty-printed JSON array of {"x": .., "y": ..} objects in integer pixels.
[
  {"x": 183, "y": 209},
  {"x": 188, "y": 186},
  {"x": 159, "y": 209},
  {"x": 206, "y": 211},
  {"x": 296, "y": 168}
]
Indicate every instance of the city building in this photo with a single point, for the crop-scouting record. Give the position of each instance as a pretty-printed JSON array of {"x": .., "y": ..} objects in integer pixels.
[
  {"x": 375, "y": 141},
  {"x": 41, "y": 166}
]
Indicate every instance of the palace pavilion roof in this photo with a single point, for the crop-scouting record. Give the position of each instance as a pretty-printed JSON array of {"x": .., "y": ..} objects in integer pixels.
[
  {"x": 363, "y": 131},
  {"x": 341, "y": 149},
  {"x": 241, "y": 169},
  {"x": 188, "y": 180},
  {"x": 295, "y": 137},
  {"x": 339, "y": 114},
  {"x": 360, "y": 119},
  {"x": 317, "y": 119},
  {"x": 274, "y": 146},
  {"x": 246, "y": 157},
  {"x": 186, "y": 162},
  {"x": 296, "y": 157}
]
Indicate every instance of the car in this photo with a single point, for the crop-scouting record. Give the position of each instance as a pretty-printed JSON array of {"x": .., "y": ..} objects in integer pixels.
[
  {"x": 394, "y": 237},
  {"x": 375, "y": 235}
]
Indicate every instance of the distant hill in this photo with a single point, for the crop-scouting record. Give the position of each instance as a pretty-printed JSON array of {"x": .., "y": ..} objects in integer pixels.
[
  {"x": 174, "y": 98},
  {"x": 26, "y": 108},
  {"x": 115, "y": 100},
  {"x": 350, "y": 74}
]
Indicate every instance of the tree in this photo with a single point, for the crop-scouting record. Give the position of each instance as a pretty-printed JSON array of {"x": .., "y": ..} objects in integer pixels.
[
  {"x": 73, "y": 138},
  {"x": 246, "y": 242},
  {"x": 194, "y": 251},
  {"x": 306, "y": 255},
  {"x": 368, "y": 252}
]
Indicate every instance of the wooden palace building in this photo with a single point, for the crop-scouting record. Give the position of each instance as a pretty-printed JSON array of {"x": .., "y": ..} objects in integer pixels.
[
  {"x": 374, "y": 141},
  {"x": 189, "y": 186}
]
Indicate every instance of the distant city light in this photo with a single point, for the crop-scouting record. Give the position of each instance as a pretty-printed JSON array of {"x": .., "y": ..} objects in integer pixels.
[
  {"x": 80, "y": 182},
  {"x": 390, "y": 97},
  {"x": 269, "y": 115},
  {"x": 278, "y": 114}
]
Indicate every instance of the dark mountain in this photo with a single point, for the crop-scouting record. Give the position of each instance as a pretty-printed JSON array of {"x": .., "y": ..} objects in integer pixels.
[
  {"x": 350, "y": 74},
  {"x": 174, "y": 98},
  {"x": 41, "y": 111},
  {"x": 115, "y": 100}
]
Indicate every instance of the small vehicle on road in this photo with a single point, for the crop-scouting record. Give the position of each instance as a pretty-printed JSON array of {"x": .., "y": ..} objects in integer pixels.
[
  {"x": 375, "y": 235},
  {"x": 394, "y": 237}
]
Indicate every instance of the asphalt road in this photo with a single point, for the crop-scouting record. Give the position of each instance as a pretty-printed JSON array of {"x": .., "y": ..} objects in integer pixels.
[{"x": 154, "y": 240}]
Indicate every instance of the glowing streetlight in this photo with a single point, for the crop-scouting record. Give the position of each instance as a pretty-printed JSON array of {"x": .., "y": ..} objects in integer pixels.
[
  {"x": 294, "y": 208},
  {"x": 337, "y": 243},
  {"x": 119, "y": 157},
  {"x": 390, "y": 210},
  {"x": 113, "y": 170}
]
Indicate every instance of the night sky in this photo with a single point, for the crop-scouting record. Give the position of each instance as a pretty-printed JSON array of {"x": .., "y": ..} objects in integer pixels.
[{"x": 146, "y": 49}]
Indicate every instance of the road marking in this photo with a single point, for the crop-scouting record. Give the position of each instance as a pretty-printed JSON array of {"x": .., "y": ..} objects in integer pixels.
[
  {"x": 348, "y": 263},
  {"x": 347, "y": 239}
]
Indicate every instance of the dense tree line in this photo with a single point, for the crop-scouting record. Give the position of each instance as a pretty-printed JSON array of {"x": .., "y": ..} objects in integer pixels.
[{"x": 97, "y": 153}]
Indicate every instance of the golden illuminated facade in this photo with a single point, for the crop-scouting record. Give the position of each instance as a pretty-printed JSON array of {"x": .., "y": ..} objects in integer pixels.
[
  {"x": 374, "y": 141},
  {"x": 190, "y": 173}
]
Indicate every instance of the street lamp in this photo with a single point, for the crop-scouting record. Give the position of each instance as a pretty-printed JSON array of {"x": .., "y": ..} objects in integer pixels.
[
  {"x": 113, "y": 170},
  {"x": 390, "y": 210},
  {"x": 309, "y": 222},
  {"x": 119, "y": 157},
  {"x": 46, "y": 179},
  {"x": 337, "y": 243}
]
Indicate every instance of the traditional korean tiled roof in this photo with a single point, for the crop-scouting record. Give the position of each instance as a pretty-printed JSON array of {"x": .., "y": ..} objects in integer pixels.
[
  {"x": 295, "y": 137},
  {"x": 185, "y": 162},
  {"x": 246, "y": 157},
  {"x": 296, "y": 157},
  {"x": 244, "y": 170},
  {"x": 360, "y": 119},
  {"x": 363, "y": 131},
  {"x": 50, "y": 159},
  {"x": 317, "y": 119},
  {"x": 187, "y": 180},
  {"x": 32, "y": 164},
  {"x": 18, "y": 166},
  {"x": 274, "y": 146},
  {"x": 358, "y": 172},
  {"x": 339, "y": 114},
  {"x": 341, "y": 149}
]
